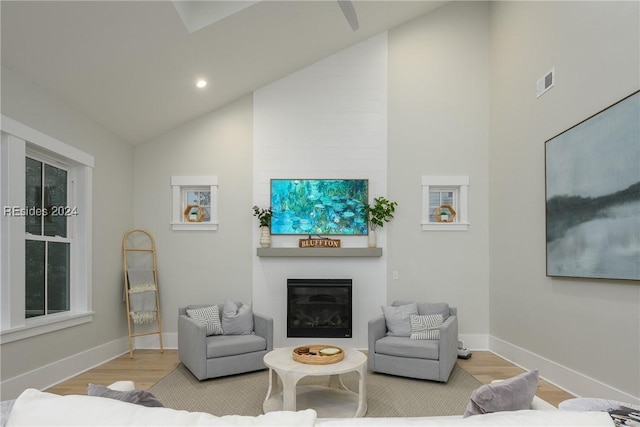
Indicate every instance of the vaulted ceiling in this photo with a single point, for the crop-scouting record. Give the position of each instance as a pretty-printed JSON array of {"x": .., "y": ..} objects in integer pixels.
[{"x": 132, "y": 65}]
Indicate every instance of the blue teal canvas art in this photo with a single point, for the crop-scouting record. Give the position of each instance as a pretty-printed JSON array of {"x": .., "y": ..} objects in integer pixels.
[
  {"x": 319, "y": 206},
  {"x": 593, "y": 196}
]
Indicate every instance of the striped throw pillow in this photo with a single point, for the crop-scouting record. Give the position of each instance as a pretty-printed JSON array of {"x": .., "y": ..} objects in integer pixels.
[
  {"x": 425, "y": 327},
  {"x": 209, "y": 316}
]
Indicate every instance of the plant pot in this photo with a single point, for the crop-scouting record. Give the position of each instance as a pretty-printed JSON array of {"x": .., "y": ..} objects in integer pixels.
[
  {"x": 265, "y": 237},
  {"x": 444, "y": 218},
  {"x": 372, "y": 239}
]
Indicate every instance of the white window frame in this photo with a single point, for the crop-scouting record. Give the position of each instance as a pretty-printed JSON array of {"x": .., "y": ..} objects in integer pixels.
[
  {"x": 179, "y": 184},
  {"x": 459, "y": 184},
  {"x": 16, "y": 142},
  {"x": 69, "y": 238}
]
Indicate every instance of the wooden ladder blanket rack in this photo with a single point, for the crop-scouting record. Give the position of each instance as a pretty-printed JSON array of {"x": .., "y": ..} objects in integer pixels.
[{"x": 141, "y": 283}]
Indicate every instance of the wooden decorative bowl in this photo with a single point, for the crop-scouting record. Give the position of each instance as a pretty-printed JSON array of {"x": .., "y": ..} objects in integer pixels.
[{"x": 318, "y": 354}]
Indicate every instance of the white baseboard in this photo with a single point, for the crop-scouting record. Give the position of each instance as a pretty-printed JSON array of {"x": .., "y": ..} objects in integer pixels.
[
  {"x": 61, "y": 370},
  {"x": 561, "y": 376},
  {"x": 477, "y": 342},
  {"x": 169, "y": 341}
]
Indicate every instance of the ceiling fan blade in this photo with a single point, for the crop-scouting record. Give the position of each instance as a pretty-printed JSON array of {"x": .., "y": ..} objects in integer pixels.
[{"x": 349, "y": 13}]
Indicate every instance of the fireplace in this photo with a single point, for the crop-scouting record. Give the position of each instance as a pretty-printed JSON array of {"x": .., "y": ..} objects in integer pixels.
[{"x": 319, "y": 308}]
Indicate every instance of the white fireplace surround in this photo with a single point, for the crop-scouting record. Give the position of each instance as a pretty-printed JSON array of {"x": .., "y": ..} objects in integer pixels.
[{"x": 328, "y": 120}]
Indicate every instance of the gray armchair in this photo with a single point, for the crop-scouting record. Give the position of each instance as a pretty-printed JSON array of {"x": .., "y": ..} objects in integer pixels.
[
  {"x": 423, "y": 359},
  {"x": 220, "y": 355}
]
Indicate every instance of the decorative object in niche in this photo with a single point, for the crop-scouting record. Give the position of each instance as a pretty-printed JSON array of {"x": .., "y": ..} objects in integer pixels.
[
  {"x": 444, "y": 213},
  {"x": 441, "y": 191},
  {"x": 200, "y": 192},
  {"x": 194, "y": 213},
  {"x": 592, "y": 173}
]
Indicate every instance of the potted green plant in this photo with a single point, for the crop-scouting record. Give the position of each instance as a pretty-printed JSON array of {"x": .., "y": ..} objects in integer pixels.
[
  {"x": 264, "y": 217},
  {"x": 444, "y": 215},
  {"x": 377, "y": 214}
]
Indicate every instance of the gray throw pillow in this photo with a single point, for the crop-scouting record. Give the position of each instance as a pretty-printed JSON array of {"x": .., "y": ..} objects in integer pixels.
[
  {"x": 237, "y": 321},
  {"x": 139, "y": 397},
  {"x": 397, "y": 319},
  {"x": 509, "y": 395},
  {"x": 427, "y": 308}
]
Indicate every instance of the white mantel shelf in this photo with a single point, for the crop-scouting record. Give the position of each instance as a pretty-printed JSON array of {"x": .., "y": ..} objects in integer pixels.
[{"x": 319, "y": 252}]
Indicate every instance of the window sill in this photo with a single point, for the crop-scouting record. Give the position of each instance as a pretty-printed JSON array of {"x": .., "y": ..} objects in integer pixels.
[
  {"x": 43, "y": 326},
  {"x": 199, "y": 226},
  {"x": 445, "y": 226}
]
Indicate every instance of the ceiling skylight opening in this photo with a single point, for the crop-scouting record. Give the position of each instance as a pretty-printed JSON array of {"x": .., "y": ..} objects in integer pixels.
[{"x": 201, "y": 83}]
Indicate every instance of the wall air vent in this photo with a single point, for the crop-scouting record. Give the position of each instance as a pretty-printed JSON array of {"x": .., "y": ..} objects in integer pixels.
[{"x": 545, "y": 82}]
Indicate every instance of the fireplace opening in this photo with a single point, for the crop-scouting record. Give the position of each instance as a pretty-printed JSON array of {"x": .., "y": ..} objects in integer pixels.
[{"x": 319, "y": 308}]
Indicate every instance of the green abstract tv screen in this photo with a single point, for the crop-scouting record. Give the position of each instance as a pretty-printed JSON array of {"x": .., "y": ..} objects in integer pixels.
[{"x": 319, "y": 206}]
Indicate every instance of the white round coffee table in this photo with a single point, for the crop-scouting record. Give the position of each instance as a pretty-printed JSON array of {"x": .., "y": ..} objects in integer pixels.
[{"x": 333, "y": 401}]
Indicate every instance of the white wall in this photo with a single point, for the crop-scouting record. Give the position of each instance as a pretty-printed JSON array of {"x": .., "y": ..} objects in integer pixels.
[
  {"x": 199, "y": 267},
  {"x": 460, "y": 101},
  {"x": 582, "y": 333},
  {"x": 439, "y": 125},
  {"x": 325, "y": 121},
  {"x": 54, "y": 356}
]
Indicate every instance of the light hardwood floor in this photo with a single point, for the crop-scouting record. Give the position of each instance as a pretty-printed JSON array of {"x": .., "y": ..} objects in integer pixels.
[{"x": 149, "y": 366}]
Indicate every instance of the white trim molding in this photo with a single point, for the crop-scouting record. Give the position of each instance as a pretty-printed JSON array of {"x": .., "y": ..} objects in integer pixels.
[
  {"x": 561, "y": 376},
  {"x": 54, "y": 373},
  {"x": 178, "y": 185},
  {"x": 17, "y": 142},
  {"x": 457, "y": 183}
]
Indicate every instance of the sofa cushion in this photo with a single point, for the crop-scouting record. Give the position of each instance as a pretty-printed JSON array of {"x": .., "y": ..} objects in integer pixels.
[
  {"x": 139, "y": 397},
  {"x": 425, "y": 308},
  {"x": 406, "y": 347},
  {"x": 397, "y": 319},
  {"x": 209, "y": 316},
  {"x": 425, "y": 327},
  {"x": 36, "y": 408},
  {"x": 237, "y": 320},
  {"x": 231, "y": 345},
  {"x": 509, "y": 395}
]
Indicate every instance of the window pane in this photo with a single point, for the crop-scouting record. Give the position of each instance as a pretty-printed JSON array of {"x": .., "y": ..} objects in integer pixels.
[
  {"x": 58, "y": 298},
  {"x": 34, "y": 277},
  {"x": 207, "y": 214},
  {"x": 447, "y": 198},
  {"x": 55, "y": 199},
  {"x": 434, "y": 202},
  {"x": 205, "y": 198},
  {"x": 33, "y": 196},
  {"x": 192, "y": 197}
]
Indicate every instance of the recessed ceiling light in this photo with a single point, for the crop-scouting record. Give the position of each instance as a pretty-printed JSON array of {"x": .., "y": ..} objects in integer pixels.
[{"x": 201, "y": 83}]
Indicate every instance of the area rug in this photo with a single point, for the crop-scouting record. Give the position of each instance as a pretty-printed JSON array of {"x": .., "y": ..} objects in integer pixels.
[{"x": 387, "y": 395}]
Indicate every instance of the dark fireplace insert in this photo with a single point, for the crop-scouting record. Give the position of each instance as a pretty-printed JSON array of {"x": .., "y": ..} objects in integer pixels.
[{"x": 319, "y": 308}]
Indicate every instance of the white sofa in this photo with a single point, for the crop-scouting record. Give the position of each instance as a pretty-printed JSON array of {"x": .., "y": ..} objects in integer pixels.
[{"x": 36, "y": 408}]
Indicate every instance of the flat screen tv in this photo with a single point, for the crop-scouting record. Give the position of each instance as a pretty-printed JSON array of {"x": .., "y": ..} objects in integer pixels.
[{"x": 319, "y": 206}]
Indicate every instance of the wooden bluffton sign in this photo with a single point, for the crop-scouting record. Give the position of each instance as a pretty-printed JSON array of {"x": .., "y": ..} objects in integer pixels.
[{"x": 319, "y": 242}]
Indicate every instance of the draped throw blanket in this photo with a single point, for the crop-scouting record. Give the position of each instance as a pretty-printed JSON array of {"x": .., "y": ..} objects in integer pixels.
[{"x": 142, "y": 295}]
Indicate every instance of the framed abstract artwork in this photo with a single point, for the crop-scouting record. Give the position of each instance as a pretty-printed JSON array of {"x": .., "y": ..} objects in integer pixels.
[{"x": 592, "y": 173}]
